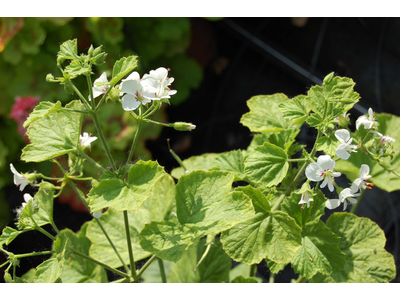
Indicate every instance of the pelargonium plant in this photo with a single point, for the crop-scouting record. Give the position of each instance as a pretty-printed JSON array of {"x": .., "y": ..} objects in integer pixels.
[{"x": 263, "y": 203}]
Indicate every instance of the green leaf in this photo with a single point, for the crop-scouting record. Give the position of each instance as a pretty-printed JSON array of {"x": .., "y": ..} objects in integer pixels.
[
  {"x": 153, "y": 274},
  {"x": 41, "y": 110},
  {"x": 328, "y": 144},
  {"x": 78, "y": 269},
  {"x": 301, "y": 213},
  {"x": 122, "y": 196},
  {"x": 205, "y": 200},
  {"x": 53, "y": 135},
  {"x": 363, "y": 243},
  {"x": 122, "y": 68},
  {"x": 319, "y": 251},
  {"x": 8, "y": 235},
  {"x": 265, "y": 115},
  {"x": 274, "y": 235},
  {"x": 77, "y": 68},
  {"x": 232, "y": 161},
  {"x": 68, "y": 50},
  {"x": 241, "y": 279},
  {"x": 51, "y": 270},
  {"x": 202, "y": 162},
  {"x": 114, "y": 225},
  {"x": 205, "y": 205},
  {"x": 214, "y": 268},
  {"x": 38, "y": 211},
  {"x": 168, "y": 240},
  {"x": 267, "y": 165},
  {"x": 274, "y": 267},
  {"x": 260, "y": 202},
  {"x": 295, "y": 110}
]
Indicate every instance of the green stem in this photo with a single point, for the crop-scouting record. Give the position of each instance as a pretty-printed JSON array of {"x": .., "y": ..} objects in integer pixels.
[
  {"x": 76, "y": 110},
  {"x": 103, "y": 141},
  {"x": 103, "y": 98},
  {"x": 158, "y": 123},
  {"x": 83, "y": 99},
  {"x": 162, "y": 270},
  {"x": 89, "y": 82},
  {"x": 135, "y": 139},
  {"x": 44, "y": 232},
  {"x": 34, "y": 254},
  {"x": 203, "y": 256},
  {"x": 7, "y": 262},
  {"x": 145, "y": 266},
  {"x": 91, "y": 160},
  {"x": 297, "y": 159},
  {"x": 271, "y": 278},
  {"x": 253, "y": 270},
  {"x": 128, "y": 240},
  {"x": 300, "y": 279},
  {"x": 99, "y": 263}
]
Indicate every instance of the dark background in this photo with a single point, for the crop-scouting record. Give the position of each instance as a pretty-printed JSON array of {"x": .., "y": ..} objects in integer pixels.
[{"x": 244, "y": 57}]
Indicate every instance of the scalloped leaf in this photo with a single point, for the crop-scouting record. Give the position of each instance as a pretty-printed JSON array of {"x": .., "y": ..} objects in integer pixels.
[
  {"x": 129, "y": 195},
  {"x": 265, "y": 115},
  {"x": 123, "y": 67},
  {"x": 363, "y": 243},
  {"x": 41, "y": 110},
  {"x": 53, "y": 135},
  {"x": 267, "y": 165}
]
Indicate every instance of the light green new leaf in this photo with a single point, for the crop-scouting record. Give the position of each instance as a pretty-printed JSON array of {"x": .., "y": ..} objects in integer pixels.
[
  {"x": 51, "y": 270},
  {"x": 319, "y": 251},
  {"x": 202, "y": 162},
  {"x": 241, "y": 273},
  {"x": 265, "y": 115},
  {"x": 205, "y": 201},
  {"x": 68, "y": 50},
  {"x": 41, "y": 110},
  {"x": 213, "y": 269},
  {"x": 53, "y": 135},
  {"x": 259, "y": 200},
  {"x": 8, "y": 235},
  {"x": 267, "y": 165},
  {"x": 120, "y": 195},
  {"x": 274, "y": 267},
  {"x": 274, "y": 235},
  {"x": 76, "y": 68},
  {"x": 122, "y": 68},
  {"x": 114, "y": 225},
  {"x": 328, "y": 144},
  {"x": 363, "y": 243},
  {"x": 77, "y": 269},
  {"x": 295, "y": 110},
  {"x": 153, "y": 274},
  {"x": 38, "y": 211}
]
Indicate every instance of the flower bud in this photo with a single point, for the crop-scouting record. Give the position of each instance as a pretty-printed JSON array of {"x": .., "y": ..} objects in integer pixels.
[
  {"x": 328, "y": 78},
  {"x": 114, "y": 95},
  {"x": 385, "y": 165},
  {"x": 182, "y": 126}
]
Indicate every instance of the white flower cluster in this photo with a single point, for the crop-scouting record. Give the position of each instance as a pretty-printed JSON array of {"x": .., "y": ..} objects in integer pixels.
[
  {"x": 136, "y": 90},
  {"x": 323, "y": 171}
]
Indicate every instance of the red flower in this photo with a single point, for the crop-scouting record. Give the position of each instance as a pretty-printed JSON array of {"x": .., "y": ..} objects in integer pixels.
[{"x": 20, "y": 111}]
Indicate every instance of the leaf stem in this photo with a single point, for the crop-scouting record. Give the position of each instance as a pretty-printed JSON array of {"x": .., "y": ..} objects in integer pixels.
[
  {"x": 34, "y": 254},
  {"x": 135, "y": 139},
  {"x": 99, "y": 263},
  {"x": 91, "y": 160},
  {"x": 203, "y": 256},
  {"x": 162, "y": 270},
  {"x": 146, "y": 265},
  {"x": 130, "y": 250},
  {"x": 103, "y": 141}
]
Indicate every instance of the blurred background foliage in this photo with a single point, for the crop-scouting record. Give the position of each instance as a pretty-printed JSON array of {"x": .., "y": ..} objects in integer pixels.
[{"x": 28, "y": 49}]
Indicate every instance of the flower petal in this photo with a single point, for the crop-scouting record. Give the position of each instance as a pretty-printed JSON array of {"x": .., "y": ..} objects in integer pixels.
[
  {"x": 342, "y": 135},
  {"x": 364, "y": 171},
  {"x": 129, "y": 102},
  {"x": 326, "y": 162},
  {"x": 341, "y": 151},
  {"x": 332, "y": 203},
  {"x": 313, "y": 172}
]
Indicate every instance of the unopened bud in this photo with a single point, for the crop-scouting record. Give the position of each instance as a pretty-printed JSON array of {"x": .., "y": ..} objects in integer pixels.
[
  {"x": 182, "y": 126},
  {"x": 50, "y": 78},
  {"x": 386, "y": 165}
]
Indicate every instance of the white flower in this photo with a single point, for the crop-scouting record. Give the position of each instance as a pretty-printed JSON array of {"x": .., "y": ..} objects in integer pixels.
[
  {"x": 27, "y": 197},
  {"x": 98, "y": 90},
  {"x": 366, "y": 122},
  {"x": 97, "y": 214},
  {"x": 85, "y": 139},
  {"x": 159, "y": 80},
  {"x": 360, "y": 183},
  {"x": 305, "y": 198},
  {"x": 136, "y": 92},
  {"x": 384, "y": 138},
  {"x": 344, "y": 197},
  {"x": 343, "y": 150},
  {"x": 322, "y": 170},
  {"x": 19, "y": 179}
]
